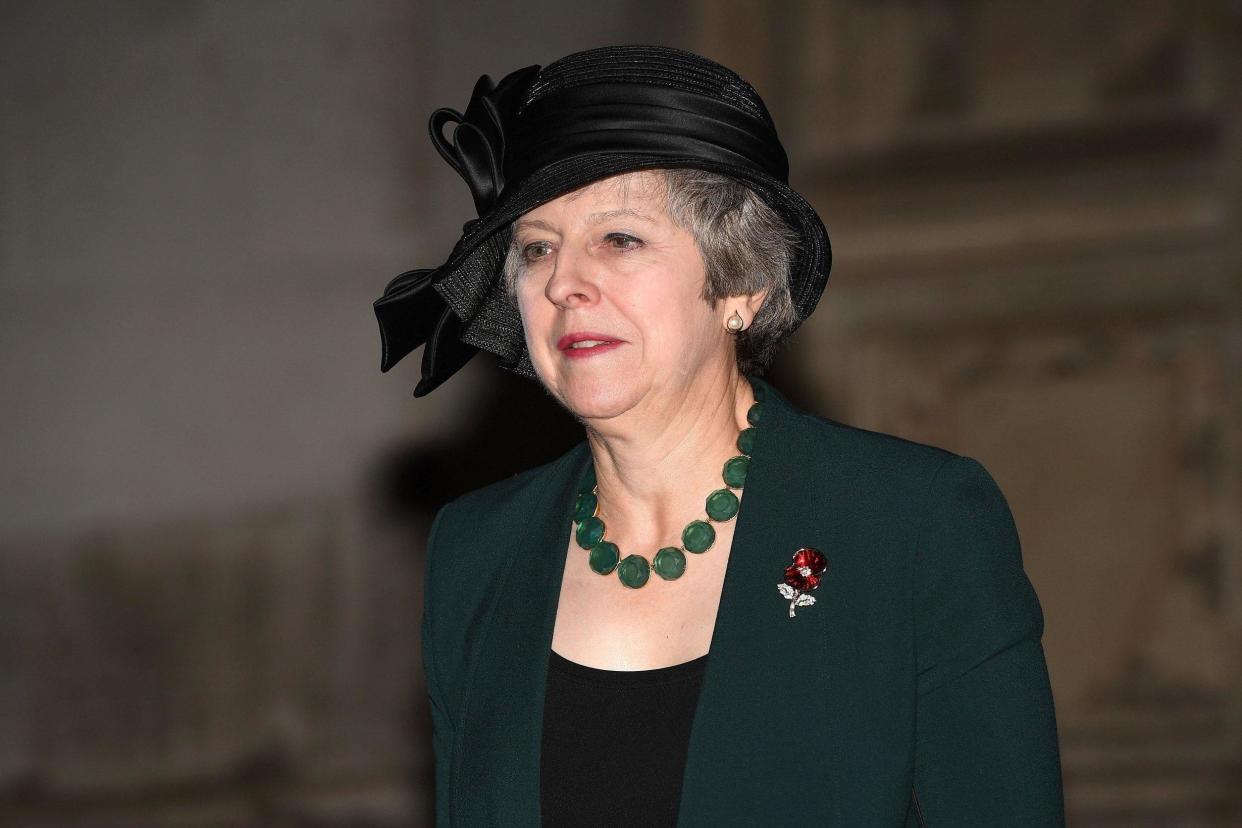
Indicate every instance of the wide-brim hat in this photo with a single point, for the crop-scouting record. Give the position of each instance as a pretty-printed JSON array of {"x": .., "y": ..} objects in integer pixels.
[{"x": 543, "y": 132}]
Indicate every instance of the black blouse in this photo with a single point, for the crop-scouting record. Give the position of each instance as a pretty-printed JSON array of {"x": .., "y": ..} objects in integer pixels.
[{"x": 614, "y": 743}]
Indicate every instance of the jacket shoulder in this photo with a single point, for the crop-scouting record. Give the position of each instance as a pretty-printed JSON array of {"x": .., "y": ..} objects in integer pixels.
[
  {"x": 972, "y": 596},
  {"x": 884, "y": 484}
]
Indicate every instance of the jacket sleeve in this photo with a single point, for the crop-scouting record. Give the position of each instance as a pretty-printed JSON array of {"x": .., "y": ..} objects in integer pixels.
[
  {"x": 986, "y": 748},
  {"x": 441, "y": 720}
]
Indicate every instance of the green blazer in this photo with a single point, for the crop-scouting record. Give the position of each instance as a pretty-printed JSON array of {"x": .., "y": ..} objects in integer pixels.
[{"x": 913, "y": 692}]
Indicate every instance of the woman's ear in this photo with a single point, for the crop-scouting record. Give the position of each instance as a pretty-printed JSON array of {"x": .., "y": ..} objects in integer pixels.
[
  {"x": 751, "y": 303},
  {"x": 754, "y": 301}
]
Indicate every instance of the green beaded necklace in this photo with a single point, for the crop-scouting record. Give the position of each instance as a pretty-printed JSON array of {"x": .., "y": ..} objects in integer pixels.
[{"x": 698, "y": 536}]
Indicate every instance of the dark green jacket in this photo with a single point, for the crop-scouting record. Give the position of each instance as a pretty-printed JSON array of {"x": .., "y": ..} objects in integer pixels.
[{"x": 913, "y": 692}]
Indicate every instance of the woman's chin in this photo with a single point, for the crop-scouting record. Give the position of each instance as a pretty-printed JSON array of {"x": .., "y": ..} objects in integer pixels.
[{"x": 599, "y": 395}]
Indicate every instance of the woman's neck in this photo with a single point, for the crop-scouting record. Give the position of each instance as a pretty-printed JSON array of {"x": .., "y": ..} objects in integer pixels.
[{"x": 655, "y": 469}]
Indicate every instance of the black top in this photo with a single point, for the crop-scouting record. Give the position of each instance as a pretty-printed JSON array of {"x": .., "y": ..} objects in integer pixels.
[{"x": 614, "y": 743}]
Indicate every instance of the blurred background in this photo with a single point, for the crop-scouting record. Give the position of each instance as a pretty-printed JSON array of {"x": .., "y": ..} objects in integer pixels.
[{"x": 213, "y": 506}]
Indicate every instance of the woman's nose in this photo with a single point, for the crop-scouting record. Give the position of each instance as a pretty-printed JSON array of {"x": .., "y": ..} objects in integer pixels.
[{"x": 572, "y": 283}]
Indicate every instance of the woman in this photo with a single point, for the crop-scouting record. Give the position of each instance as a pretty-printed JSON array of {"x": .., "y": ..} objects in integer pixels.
[{"x": 717, "y": 609}]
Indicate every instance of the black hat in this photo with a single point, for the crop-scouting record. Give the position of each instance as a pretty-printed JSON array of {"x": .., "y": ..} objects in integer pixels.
[{"x": 542, "y": 132}]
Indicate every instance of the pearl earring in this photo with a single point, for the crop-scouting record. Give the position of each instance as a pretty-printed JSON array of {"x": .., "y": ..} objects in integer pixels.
[{"x": 735, "y": 323}]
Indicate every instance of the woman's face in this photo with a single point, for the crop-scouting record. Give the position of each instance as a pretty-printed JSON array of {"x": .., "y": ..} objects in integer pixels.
[{"x": 606, "y": 263}]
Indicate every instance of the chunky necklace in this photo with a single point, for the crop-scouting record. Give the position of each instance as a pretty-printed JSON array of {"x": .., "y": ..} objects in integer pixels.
[{"x": 698, "y": 536}]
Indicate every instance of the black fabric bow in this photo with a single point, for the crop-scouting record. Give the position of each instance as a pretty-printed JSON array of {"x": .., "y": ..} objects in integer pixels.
[
  {"x": 411, "y": 313},
  {"x": 477, "y": 148}
]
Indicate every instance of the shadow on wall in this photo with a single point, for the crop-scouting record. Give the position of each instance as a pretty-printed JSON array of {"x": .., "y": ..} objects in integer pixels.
[{"x": 516, "y": 426}]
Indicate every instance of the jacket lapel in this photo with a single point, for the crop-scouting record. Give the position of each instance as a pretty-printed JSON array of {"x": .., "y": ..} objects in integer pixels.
[
  {"x": 496, "y": 769},
  {"x": 756, "y": 752}
]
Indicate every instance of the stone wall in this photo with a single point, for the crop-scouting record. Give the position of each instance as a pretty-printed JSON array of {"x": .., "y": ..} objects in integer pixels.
[{"x": 259, "y": 670}]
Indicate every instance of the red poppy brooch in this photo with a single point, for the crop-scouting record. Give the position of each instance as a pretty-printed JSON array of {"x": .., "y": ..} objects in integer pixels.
[{"x": 802, "y": 576}]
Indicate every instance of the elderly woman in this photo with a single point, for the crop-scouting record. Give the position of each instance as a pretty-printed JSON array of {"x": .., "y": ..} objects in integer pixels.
[{"x": 717, "y": 609}]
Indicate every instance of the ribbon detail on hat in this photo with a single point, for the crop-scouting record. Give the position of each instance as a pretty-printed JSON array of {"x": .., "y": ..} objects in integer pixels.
[
  {"x": 411, "y": 313},
  {"x": 641, "y": 119},
  {"x": 477, "y": 148}
]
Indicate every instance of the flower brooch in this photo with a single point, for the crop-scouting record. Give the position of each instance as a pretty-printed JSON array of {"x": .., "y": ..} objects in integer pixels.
[{"x": 802, "y": 576}]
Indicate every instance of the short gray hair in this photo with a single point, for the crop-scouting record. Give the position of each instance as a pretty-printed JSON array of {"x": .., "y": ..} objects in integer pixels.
[{"x": 746, "y": 246}]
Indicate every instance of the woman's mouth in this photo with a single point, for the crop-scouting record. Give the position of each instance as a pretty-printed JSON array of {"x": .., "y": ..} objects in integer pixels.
[{"x": 584, "y": 344}]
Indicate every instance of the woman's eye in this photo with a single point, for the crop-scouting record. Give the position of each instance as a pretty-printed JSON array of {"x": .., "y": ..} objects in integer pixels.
[
  {"x": 623, "y": 241},
  {"x": 535, "y": 250}
]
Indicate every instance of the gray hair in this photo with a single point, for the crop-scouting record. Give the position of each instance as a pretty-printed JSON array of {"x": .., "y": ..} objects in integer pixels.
[{"x": 746, "y": 246}]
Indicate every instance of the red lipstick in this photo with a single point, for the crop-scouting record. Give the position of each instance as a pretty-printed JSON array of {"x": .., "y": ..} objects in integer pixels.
[{"x": 596, "y": 343}]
